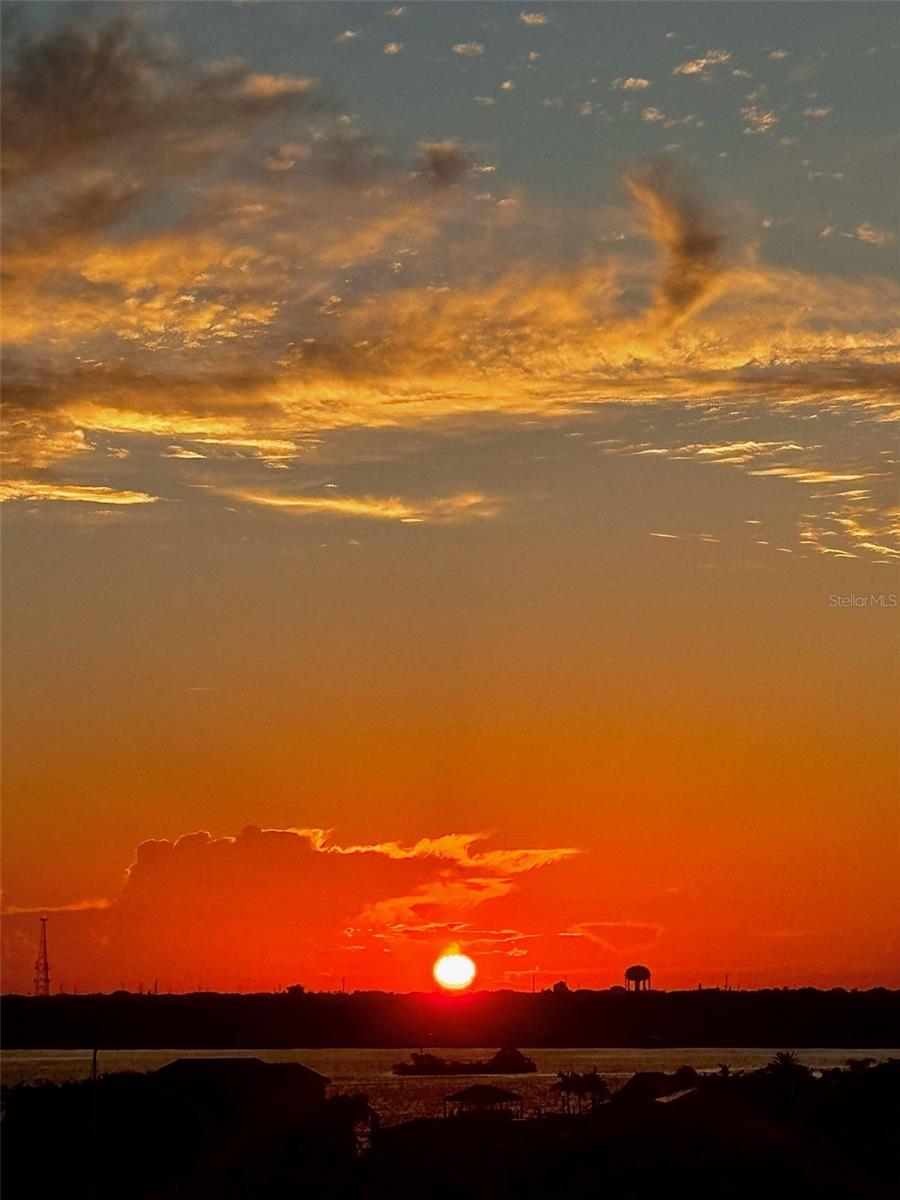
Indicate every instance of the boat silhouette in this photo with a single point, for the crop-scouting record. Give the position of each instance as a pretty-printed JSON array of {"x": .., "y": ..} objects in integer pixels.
[{"x": 507, "y": 1061}]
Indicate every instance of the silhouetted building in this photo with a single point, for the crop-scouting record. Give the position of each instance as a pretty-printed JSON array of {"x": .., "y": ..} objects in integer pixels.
[
  {"x": 637, "y": 979},
  {"x": 483, "y": 1098},
  {"x": 245, "y": 1091}
]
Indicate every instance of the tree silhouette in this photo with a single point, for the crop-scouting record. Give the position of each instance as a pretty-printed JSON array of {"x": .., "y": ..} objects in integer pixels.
[
  {"x": 786, "y": 1065},
  {"x": 565, "y": 1086},
  {"x": 856, "y": 1065},
  {"x": 596, "y": 1088},
  {"x": 582, "y": 1086}
]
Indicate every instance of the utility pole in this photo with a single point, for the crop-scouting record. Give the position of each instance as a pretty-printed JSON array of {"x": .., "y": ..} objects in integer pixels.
[
  {"x": 92, "y": 1133},
  {"x": 42, "y": 966}
]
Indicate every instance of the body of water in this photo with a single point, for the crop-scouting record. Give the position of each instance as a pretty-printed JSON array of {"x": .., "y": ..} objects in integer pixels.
[{"x": 398, "y": 1098}]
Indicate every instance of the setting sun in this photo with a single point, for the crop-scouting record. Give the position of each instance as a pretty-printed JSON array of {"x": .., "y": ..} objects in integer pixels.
[{"x": 454, "y": 971}]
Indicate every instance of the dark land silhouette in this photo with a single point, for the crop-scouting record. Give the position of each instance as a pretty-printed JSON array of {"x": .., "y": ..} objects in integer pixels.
[
  {"x": 247, "y": 1130},
  {"x": 556, "y": 1017}
]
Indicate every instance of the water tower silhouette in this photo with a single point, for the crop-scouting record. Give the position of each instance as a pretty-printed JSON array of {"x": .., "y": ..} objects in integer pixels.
[{"x": 637, "y": 979}]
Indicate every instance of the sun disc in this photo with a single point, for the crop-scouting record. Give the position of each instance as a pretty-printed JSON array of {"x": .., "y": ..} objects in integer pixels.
[{"x": 454, "y": 971}]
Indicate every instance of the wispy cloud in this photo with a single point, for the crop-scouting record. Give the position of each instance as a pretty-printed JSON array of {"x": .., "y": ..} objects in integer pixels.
[
  {"x": 30, "y": 489},
  {"x": 680, "y": 225},
  {"x": 618, "y": 935},
  {"x": 836, "y": 519},
  {"x": 466, "y": 506},
  {"x": 457, "y": 848},
  {"x": 470, "y": 875},
  {"x": 77, "y": 906},
  {"x": 809, "y": 475}
]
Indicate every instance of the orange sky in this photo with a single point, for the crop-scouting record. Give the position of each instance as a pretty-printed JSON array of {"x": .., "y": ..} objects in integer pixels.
[{"x": 424, "y": 532}]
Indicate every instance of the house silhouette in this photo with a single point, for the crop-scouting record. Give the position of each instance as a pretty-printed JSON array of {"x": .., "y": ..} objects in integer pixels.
[{"x": 244, "y": 1091}]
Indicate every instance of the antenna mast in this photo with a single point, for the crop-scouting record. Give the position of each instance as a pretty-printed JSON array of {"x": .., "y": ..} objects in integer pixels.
[{"x": 42, "y": 966}]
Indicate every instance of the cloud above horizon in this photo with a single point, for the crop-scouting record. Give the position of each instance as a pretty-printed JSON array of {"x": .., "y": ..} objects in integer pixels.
[{"x": 182, "y": 897}]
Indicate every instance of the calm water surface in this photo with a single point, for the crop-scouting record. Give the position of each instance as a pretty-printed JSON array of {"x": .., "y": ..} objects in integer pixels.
[{"x": 400, "y": 1099}]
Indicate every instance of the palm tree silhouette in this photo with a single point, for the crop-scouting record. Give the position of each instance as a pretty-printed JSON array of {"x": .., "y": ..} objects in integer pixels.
[
  {"x": 786, "y": 1065},
  {"x": 596, "y": 1087},
  {"x": 588, "y": 1085},
  {"x": 564, "y": 1086}
]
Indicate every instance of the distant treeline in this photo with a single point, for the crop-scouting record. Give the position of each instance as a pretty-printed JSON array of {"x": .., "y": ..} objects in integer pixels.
[{"x": 560, "y": 1018}]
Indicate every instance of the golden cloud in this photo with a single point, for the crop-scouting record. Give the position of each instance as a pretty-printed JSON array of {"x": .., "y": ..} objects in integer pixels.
[
  {"x": 456, "y": 848},
  {"x": 466, "y": 506},
  {"x": 30, "y": 489},
  {"x": 238, "y": 326}
]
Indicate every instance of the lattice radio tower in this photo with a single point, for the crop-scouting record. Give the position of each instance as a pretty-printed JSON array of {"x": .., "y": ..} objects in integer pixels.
[{"x": 42, "y": 966}]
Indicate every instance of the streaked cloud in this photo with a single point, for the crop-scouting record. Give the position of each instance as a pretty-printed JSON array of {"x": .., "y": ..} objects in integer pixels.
[
  {"x": 269, "y": 86},
  {"x": 77, "y": 906},
  {"x": 808, "y": 475},
  {"x": 618, "y": 935},
  {"x": 467, "y": 506},
  {"x": 31, "y": 489},
  {"x": 477, "y": 875},
  {"x": 469, "y": 49},
  {"x": 458, "y": 848},
  {"x": 849, "y": 507}
]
